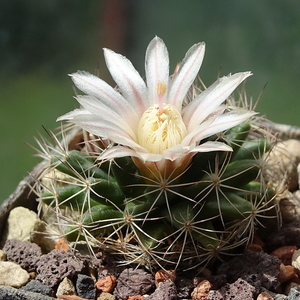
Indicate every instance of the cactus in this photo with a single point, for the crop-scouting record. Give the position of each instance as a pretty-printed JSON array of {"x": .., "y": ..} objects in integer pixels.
[
  {"x": 213, "y": 207},
  {"x": 158, "y": 215}
]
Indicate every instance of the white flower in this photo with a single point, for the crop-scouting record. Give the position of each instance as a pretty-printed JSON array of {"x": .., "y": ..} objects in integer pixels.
[{"x": 146, "y": 119}]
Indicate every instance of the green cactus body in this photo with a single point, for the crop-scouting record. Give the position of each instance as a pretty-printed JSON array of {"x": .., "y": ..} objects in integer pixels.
[
  {"x": 159, "y": 172},
  {"x": 179, "y": 221}
]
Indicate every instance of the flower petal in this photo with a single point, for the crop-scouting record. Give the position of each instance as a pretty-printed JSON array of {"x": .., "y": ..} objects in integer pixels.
[
  {"x": 95, "y": 107},
  {"x": 120, "y": 151},
  {"x": 157, "y": 69},
  {"x": 186, "y": 75},
  {"x": 177, "y": 151},
  {"x": 96, "y": 87},
  {"x": 197, "y": 110},
  {"x": 72, "y": 114},
  {"x": 147, "y": 156},
  {"x": 117, "y": 151},
  {"x": 221, "y": 123},
  {"x": 128, "y": 80},
  {"x": 105, "y": 129},
  {"x": 211, "y": 146}
]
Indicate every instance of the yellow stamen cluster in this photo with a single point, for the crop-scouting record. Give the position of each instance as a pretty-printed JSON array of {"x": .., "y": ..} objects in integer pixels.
[{"x": 160, "y": 128}]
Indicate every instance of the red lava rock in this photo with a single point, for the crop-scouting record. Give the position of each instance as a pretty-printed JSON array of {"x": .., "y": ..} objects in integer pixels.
[
  {"x": 295, "y": 279},
  {"x": 53, "y": 267},
  {"x": 62, "y": 244},
  {"x": 285, "y": 254},
  {"x": 201, "y": 291},
  {"x": 133, "y": 282},
  {"x": 258, "y": 268},
  {"x": 71, "y": 297},
  {"x": 264, "y": 296},
  {"x": 106, "y": 284},
  {"x": 137, "y": 297},
  {"x": 255, "y": 248},
  {"x": 164, "y": 275},
  {"x": 258, "y": 241},
  {"x": 23, "y": 253},
  {"x": 104, "y": 264},
  {"x": 165, "y": 291},
  {"x": 242, "y": 288},
  {"x": 286, "y": 273}
]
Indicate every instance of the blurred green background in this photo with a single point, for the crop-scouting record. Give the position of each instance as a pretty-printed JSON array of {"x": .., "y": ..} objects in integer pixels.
[{"x": 42, "y": 41}]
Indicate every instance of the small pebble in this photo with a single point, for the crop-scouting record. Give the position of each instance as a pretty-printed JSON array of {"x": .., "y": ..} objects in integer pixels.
[
  {"x": 23, "y": 224},
  {"x": 286, "y": 273},
  {"x": 71, "y": 297},
  {"x": 137, "y": 297},
  {"x": 255, "y": 248},
  {"x": 201, "y": 291},
  {"x": 264, "y": 296},
  {"x": 106, "y": 284},
  {"x": 164, "y": 275},
  {"x": 85, "y": 287},
  {"x": 61, "y": 244},
  {"x": 66, "y": 287},
  {"x": 106, "y": 296},
  {"x": 294, "y": 293},
  {"x": 296, "y": 261},
  {"x": 285, "y": 254},
  {"x": 288, "y": 287},
  {"x": 12, "y": 274},
  {"x": 295, "y": 279}
]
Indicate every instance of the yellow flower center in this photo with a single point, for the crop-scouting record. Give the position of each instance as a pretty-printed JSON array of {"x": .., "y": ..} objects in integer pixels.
[{"x": 161, "y": 126}]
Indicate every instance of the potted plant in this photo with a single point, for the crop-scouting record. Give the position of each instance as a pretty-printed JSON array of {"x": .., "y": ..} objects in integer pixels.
[{"x": 164, "y": 173}]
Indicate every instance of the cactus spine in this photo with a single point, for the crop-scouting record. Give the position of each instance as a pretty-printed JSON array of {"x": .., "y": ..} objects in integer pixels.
[
  {"x": 160, "y": 173},
  {"x": 210, "y": 209}
]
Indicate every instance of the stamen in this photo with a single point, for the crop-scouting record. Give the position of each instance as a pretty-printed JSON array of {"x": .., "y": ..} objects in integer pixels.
[{"x": 160, "y": 130}]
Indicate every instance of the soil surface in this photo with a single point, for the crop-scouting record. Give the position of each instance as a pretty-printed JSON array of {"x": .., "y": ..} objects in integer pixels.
[{"x": 253, "y": 275}]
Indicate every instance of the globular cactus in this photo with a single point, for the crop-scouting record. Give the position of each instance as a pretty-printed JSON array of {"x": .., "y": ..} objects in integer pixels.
[
  {"x": 152, "y": 206},
  {"x": 213, "y": 207}
]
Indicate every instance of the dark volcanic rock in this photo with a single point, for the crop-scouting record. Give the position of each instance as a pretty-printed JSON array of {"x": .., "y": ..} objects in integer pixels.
[
  {"x": 294, "y": 293},
  {"x": 258, "y": 268},
  {"x": 133, "y": 282},
  {"x": 23, "y": 253},
  {"x": 184, "y": 287},
  {"x": 37, "y": 287},
  {"x": 287, "y": 235},
  {"x": 165, "y": 291},
  {"x": 9, "y": 293},
  {"x": 53, "y": 267},
  {"x": 85, "y": 287},
  {"x": 240, "y": 289}
]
